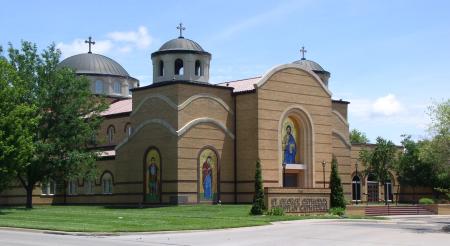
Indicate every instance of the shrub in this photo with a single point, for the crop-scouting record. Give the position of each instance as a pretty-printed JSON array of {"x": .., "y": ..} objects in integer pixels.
[
  {"x": 258, "y": 206},
  {"x": 337, "y": 211},
  {"x": 337, "y": 193},
  {"x": 276, "y": 211},
  {"x": 426, "y": 201}
]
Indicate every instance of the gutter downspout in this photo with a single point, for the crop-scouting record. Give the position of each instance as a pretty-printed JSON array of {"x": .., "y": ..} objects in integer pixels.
[{"x": 235, "y": 148}]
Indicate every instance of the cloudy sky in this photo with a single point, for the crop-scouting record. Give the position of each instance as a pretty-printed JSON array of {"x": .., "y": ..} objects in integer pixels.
[{"x": 390, "y": 59}]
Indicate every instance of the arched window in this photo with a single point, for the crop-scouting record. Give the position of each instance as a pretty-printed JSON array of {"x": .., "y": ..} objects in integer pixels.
[
  {"x": 110, "y": 132},
  {"x": 107, "y": 183},
  {"x": 161, "y": 68},
  {"x": 99, "y": 87},
  {"x": 179, "y": 70},
  {"x": 48, "y": 187},
  {"x": 128, "y": 129},
  {"x": 73, "y": 187},
  {"x": 130, "y": 86},
  {"x": 356, "y": 189},
  {"x": 198, "y": 68},
  {"x": 117, "y": 87},
  {"x": 89, "y": 186}
]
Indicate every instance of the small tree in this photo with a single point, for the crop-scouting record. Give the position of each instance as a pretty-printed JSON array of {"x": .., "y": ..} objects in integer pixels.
[
  {"x": 337, "y": 193},
  {"x": 258, "y": 206},
  {"x": 380, "y": 160},
  {"x": 358, "y": 137}
]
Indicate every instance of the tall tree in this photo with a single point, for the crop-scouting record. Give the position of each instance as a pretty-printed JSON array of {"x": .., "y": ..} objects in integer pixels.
[
  {"x": 436, "y": 150},
  {"x": 258, "y": 206},
  {"x": 380, "y": 160},
  {"x": 337, "y": 192},
  {"x": 358, "y": 137},
  {"x": 411, "y": 169},
  {"x": 68, "y": 117},
  {"x": 18, "y": 123}
]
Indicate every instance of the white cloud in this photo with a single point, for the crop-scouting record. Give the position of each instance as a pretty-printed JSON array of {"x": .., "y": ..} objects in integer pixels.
[
  {"x": 139, "y": 38},
  {"x": 387, "y": 105},
  {"x": 78, "y": 46},
  {"x": 123, "y": 42}
]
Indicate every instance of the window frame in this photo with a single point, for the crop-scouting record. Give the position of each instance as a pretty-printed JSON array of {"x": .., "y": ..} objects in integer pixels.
[{"x": 117, "y": 87}]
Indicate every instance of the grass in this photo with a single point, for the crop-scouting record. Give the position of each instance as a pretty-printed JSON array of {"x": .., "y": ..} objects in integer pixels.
[{"x": 116, "y": 219}]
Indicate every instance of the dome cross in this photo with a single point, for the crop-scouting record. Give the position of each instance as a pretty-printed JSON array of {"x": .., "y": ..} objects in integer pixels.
[
  {"x": 90, "y": 42},
  {"x": 181, "y": 28},
  {"x": 303, "y": 51}
]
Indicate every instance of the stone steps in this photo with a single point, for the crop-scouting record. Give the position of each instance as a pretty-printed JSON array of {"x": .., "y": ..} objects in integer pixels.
[{"x": 396, "y": 210}]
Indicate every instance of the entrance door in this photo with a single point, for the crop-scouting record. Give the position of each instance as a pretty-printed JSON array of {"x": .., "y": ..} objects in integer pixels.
[
  {"x": 388, "y": 196},
  {"x": 372, "y": 191}
]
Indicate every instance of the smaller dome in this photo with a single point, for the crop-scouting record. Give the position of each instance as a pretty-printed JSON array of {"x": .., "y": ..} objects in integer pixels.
[
  {"x": 181, "y": 44},
  {"x": 89, "y": 63},
  {"x": 310, "y": 65}
]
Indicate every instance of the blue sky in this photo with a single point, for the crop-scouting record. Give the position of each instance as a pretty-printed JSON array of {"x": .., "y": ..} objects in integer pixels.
[{"x": 390, "y": 59}]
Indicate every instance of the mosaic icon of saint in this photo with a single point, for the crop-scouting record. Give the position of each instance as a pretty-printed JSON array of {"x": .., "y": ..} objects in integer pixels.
[
  {"x": 207, "y": 179},
  {"x": 153, "y": 177},
  {"x": 289, "y": 146}
]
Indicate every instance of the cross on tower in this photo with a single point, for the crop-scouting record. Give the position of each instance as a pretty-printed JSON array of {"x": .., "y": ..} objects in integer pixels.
[
  {"x": 90, "y": 42},
  {"x": 181, "y": 28},
  {"x": 303, "y": 51}
]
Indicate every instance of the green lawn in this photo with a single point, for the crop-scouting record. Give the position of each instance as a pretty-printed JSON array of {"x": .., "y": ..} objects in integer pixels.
[{"x": 115, "y": 219}]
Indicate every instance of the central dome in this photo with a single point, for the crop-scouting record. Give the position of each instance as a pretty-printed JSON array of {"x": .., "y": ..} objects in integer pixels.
[
  {"x": 181, "y": 44},
  {"x": 309, "y": 65},
  {"x": 95, "y": 64}
]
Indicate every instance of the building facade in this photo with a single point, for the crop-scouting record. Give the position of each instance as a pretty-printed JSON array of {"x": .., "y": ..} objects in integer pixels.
[{"x": 183, "y": 139}]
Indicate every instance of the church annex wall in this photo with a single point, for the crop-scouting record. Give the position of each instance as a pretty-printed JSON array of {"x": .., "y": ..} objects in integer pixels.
[{"x": 286, "y": 88}]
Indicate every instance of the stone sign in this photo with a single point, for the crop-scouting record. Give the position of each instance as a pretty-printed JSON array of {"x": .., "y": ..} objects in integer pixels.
[{"x": 298, "y": 200}]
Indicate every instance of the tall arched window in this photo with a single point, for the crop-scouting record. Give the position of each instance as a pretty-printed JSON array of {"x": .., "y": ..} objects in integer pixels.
[
  {"x": 107, "y": 183},
  {"x": 356, "y": 189},
  {"x": 161, "y": 68},
  {"x": 198, "y": 68},
  {"x": 99, "y": 87},
  {"x": 128, "y": 129},
  {"x": 117, "y": 87},
  {"x": 130, "y": 86},
  {"x": 110, "y": 132},
  {"x": 179, "y": 70}
]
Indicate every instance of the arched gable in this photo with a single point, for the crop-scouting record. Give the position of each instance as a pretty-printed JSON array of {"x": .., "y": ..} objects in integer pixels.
[{"x": 278, "y": 68}]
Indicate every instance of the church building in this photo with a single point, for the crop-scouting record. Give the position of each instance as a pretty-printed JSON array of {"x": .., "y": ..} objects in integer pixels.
[{"x": 186, "y": 140}]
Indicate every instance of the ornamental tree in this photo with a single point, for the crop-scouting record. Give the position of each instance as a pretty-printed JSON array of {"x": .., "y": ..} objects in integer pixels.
[
  {"x": 258, "y": 206},
  {"x": 67, "y": 114},
  {"x": 337, "y": 192}
]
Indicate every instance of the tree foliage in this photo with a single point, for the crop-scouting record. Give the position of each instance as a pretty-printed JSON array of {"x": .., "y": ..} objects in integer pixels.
[
  {"x": 67, "y": 117},
  {"x": 18, "y": 122},
  {"x": 337, "y": 192},
  {"x": 411, "y": 169},
  {"x": 436, "y": 150},
  {"x": 358, "y": 137},
  {"x": 379, "y": 160},
  {"x": 258, "y": 206}
]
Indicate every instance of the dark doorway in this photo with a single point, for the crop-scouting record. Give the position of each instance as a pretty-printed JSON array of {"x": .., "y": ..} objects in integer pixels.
[
  {"x": 372, "y": 189},
  {"x": 291, "y": 180}
]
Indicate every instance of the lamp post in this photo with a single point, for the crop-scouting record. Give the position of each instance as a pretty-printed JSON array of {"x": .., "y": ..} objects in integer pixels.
[
  {"x": 284, "y": 174},
  {"x": 357, "y": 192},
  {"x": 323, "y": 168}
]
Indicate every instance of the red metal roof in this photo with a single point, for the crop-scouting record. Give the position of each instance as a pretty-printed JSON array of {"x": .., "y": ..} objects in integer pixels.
[
  {"x": 122, "y": 106},
  {"x": 242, "y": 84}
]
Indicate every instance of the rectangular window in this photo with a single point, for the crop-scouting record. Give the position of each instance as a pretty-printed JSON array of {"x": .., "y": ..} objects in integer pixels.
[{"x": 117, "y": 88}]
